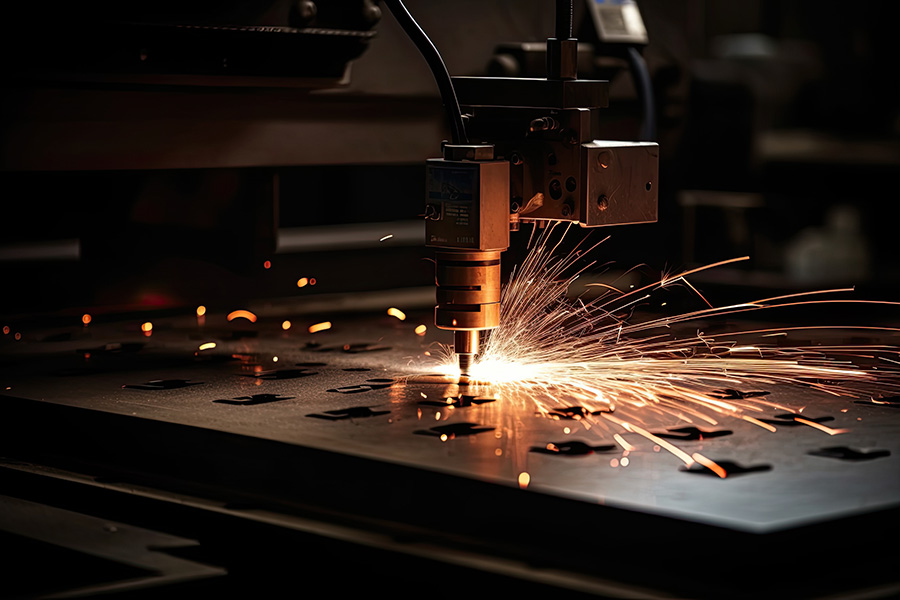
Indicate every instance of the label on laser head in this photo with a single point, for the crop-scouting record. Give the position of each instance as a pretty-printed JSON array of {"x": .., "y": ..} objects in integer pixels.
[{"x": 467, "y": 204}]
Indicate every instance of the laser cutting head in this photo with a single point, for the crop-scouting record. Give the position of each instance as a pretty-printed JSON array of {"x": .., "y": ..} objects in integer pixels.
[
  {"x": 467, "y": 218},
  {"x": 538, "y": 159}
]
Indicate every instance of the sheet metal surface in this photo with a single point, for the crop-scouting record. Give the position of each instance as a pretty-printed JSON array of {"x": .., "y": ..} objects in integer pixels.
[{"x": 357, "y": 389}]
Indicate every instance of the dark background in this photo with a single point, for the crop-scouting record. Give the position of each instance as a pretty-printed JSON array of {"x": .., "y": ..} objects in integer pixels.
[{"x": 167, "y": 185}]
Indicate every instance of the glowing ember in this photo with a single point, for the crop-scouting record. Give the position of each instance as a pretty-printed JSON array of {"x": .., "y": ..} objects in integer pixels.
[
  {"x": 201, "y": 310},
  {"x": 267, "y": 264},
  {"x": 85, "y": 318},
  {"x": 147, "y": 327},
  {"x": 6, "y": 330},
  {"x": 556, "y": 351},
  {"x": 320, "y": 326},
  {"x": 302, "y": 282},
  {"x": 396, "y": 312},
  {"x": 524, "y": 479},
  {"x": 710, "y": 465},
  {"x": 241, "y": 314},
  {"x": 421, "y": 329},
  {"x": 285, "y": 325},
  {"x": 207, "y": 346},
  {"x": 820, "y": 427}
]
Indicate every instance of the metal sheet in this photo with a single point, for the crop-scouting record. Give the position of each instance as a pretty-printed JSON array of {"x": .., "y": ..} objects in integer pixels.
[{"x": 347, "y": 390}]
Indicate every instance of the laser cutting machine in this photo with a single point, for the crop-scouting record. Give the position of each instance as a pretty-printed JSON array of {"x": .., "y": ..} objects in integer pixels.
[
  {"x": 208, "y": 395},
  {"x": 527, "y": 151}
]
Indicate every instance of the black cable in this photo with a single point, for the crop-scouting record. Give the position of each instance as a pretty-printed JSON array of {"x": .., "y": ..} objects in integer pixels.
[
  {"x": 564, "y": 19},
  {"x": 644, "y": 87},
  {"x": 437, "y": 66}
]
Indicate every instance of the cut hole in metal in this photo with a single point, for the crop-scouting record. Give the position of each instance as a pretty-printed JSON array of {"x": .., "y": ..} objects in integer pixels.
[
  {"x": 162, "y": 384},
  {"x": 691, "y": 433},
  {"x": 355, "y": 412},
  {"x": 573, "y": 448},
  {"x": 254, "y": 399}
]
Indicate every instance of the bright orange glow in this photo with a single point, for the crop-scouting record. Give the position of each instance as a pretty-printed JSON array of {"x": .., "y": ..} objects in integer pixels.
[
  {"x": 320, "y": 326},
  {"x": 207, "y": 346},
  {"x": 621, "y": 441},
  {"x": 242, "y": 314},
  {"x": 85, "y": 318},
  {"x": 6, "y": 330},
  {"x": 444, "y": 437},
  {"x": 285, "y": 325},
  {"x": 396, "y": 312},
  {"x": 201, "y": 310},
  {"x": 710, "y": 465},
  {"x": 147, "y": 327},
  {"x": 820, "y": 427},
  {"x": 267, "y": 264},
  {"x": 421, "y": 329},
  {"x": 688, "y": 460},
  {"x": 302, "y": 282},
  {"x": 312, "y": 281},
  {"x": 524, "y": 479},
  {"x": 760, "y": 423}
]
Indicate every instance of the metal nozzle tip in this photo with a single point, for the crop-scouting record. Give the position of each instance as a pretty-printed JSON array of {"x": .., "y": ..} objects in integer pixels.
[{"x": 465, "y": 362}]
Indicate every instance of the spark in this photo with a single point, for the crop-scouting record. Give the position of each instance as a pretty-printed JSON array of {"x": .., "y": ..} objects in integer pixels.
[
  {"x": 820, "y": 427},
  {"x": 147, "y": 328},
  {"x": 85, "y": 318},
  {"x": 302, "y": 282},
  {"x": 201, "y": 310},
  {"x": 621, "y": 441},
  {"x": 552, "y": 349},
  {"x": 709, "y": 465},
  {"x": 320, "y": 326},
  {"x": 387, "y": 237},
  {"x": 241, "y": 314},
  {"x": 421, "y": 329},
  {"x": 207, "y": 346},
  {"x": 524, "y": 479},
  {"x": 396, "y": 312},
  {"x": 285, "y": 325}
]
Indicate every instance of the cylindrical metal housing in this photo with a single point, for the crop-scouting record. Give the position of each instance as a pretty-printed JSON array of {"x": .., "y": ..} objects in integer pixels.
[{"x": 468, "y": 290}]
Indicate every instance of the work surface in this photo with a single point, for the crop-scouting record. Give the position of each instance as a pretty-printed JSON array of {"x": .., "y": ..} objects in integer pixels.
[{"x": 353, "y": 419}]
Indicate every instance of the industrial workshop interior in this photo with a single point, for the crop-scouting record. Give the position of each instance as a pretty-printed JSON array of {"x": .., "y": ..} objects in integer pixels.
[{"x": 450, "y": 299}]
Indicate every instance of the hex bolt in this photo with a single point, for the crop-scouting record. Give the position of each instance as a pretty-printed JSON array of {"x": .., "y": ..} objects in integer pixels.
[
  {"x": 555, "y": 189},
  {"x": 604, "y": 158}
]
